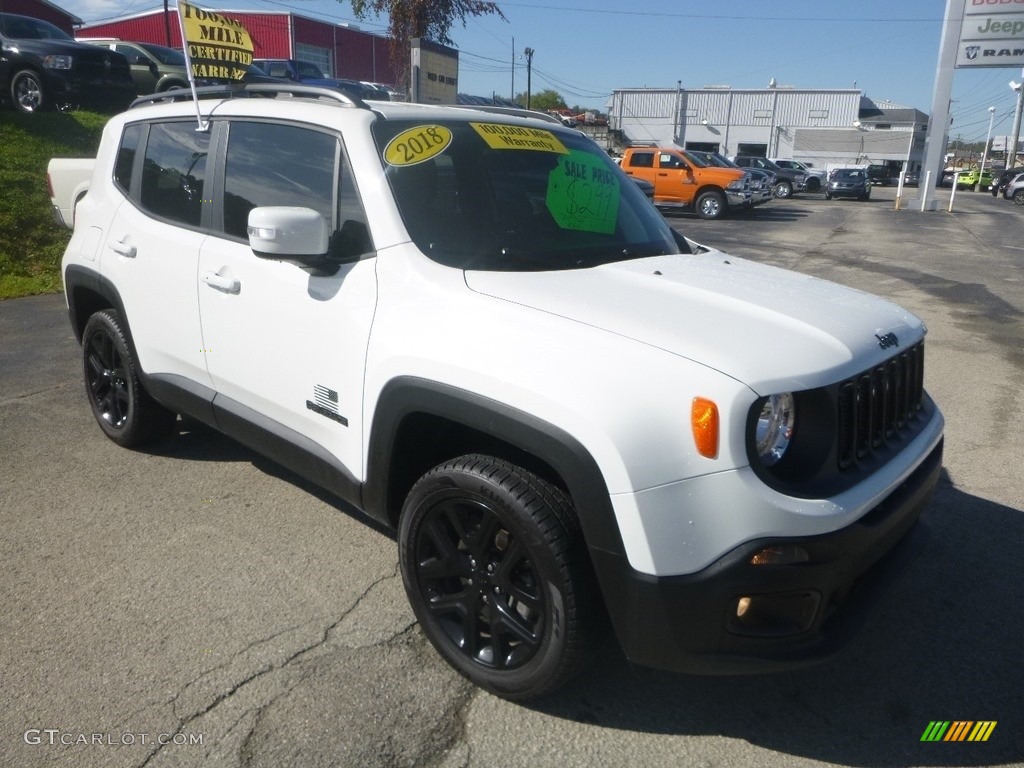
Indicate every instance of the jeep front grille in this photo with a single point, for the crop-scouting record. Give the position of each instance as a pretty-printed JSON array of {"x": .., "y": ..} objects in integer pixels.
[{"x": 876, "y": 407}]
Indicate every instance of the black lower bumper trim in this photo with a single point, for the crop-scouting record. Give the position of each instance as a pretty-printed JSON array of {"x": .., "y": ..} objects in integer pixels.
[{"x": 689, "y": 623}]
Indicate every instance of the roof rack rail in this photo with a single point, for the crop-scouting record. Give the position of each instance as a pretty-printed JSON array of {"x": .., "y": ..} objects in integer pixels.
[
  {"x": 512, "y": 111},
  {"x": 243, "y": 90}
]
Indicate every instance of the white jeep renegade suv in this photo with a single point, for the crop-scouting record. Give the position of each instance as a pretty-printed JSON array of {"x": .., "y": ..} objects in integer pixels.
[{"x": 472, "y": 326}]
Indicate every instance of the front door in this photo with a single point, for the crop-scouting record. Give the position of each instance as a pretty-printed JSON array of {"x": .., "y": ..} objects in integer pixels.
[{"x": 281, "y": 340}]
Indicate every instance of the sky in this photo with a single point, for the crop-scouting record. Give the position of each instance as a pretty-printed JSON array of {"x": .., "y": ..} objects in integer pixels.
[{"x": 584, "y": 49}]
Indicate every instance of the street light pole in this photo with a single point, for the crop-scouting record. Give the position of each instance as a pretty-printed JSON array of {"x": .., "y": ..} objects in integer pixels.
[
  {"x": 988, "y": 137},
  {"x": 1019, "y": 88}
]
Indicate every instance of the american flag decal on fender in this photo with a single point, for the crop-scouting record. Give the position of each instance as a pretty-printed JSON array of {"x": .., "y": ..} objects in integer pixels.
[{"x": 325, "y": 403}]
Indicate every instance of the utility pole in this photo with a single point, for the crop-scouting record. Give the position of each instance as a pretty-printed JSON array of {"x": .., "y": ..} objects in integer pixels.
[
  {"x": 512, "y": 97},
  {"x": 529, "y": 68}
]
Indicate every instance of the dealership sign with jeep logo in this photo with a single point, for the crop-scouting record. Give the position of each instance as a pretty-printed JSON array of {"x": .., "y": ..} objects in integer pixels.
[{"x": 992, "y": 34}]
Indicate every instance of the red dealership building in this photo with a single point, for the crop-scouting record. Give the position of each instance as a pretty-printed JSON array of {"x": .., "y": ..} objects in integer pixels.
[{"x": 339, "y": 50}]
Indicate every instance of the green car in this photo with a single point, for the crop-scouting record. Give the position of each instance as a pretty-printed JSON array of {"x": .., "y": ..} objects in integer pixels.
[{"x": 972, "y": 178}]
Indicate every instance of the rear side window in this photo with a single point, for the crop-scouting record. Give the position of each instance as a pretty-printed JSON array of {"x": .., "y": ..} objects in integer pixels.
[
  {"x": 642, "y": 160},
  {"x": 174, "y": 172}
]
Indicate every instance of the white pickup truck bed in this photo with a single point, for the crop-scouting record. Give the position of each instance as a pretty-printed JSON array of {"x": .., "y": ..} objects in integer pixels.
[{"x": 67, "y": 181}]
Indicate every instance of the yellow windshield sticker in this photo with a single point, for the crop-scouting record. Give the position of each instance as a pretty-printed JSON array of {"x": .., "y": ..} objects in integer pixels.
[
  {"x": 583, "y": 193},
  {"x": 417, "y": 145},
  {"x": 500, "y": 136}
]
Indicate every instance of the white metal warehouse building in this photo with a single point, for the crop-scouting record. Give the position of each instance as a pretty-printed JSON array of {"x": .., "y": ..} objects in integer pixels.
[{"x": 823, "y": 127}]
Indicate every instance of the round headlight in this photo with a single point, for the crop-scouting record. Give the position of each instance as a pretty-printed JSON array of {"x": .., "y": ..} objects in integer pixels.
[{"x": 775, "y": 427}]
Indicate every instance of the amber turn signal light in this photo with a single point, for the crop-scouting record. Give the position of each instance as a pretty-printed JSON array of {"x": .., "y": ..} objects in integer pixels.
[{"x": 704, "y": 420}]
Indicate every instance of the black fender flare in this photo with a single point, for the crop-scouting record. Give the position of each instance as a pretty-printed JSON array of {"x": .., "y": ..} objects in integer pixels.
[{"x": 408, "y": 395}]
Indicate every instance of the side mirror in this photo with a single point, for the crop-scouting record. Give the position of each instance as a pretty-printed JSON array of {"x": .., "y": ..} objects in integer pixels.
[{"x": 296, "y": 235}]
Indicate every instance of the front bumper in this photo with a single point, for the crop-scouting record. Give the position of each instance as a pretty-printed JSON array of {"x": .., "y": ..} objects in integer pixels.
[
  {"x": 104, "y": 94},
  {"x": 737, "y": 198},
  {"x": 795, "y": 614}
]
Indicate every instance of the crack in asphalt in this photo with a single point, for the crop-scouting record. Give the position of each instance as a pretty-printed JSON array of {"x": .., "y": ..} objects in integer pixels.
[{"x": 264, "y": 669}]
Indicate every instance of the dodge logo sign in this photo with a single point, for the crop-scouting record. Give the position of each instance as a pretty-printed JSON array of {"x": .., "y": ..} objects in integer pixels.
[{"x": 972, "y": 51}]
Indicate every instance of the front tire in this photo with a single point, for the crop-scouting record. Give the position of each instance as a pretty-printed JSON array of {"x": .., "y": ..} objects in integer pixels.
[
  {"x": 498, "y": 576},
  {"x": 122, "y": 407},
  {"x": 813, "y": 184},
  {"x": 1018, "y": 197},
  {"x": 27, "y": 92},
  {"x": 783, "y": 190},
  {"x": 710, "y": 204},
  {"x": 828, "y": 195}
]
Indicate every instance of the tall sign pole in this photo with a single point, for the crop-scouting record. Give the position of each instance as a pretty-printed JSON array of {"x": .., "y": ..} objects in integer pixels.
[
  {"x": 935, "y": 141},
  {"x": 975, "y": 33}
]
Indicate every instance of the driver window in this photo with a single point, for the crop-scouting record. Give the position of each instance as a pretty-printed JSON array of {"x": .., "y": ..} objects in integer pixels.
[{"x": 288, "y": 165}]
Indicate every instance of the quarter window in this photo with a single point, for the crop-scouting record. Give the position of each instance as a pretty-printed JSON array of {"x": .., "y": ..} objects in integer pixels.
[{"x": 126, "y": 157}]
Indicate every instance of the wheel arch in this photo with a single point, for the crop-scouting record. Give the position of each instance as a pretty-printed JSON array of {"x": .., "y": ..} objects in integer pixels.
[
  {"x": 709, "y": 188},
  {"x": 418, "y": 424},
  {"x": 87, "y": 293}
]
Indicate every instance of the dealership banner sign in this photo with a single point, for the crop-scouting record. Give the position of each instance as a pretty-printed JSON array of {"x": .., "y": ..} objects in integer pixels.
[
  {"x": 216, "y": 46},
  {"x": 992, "y": 34}
]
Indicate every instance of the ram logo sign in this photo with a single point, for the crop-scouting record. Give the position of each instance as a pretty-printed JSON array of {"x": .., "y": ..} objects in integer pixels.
[{"x": 991, "y": 35}]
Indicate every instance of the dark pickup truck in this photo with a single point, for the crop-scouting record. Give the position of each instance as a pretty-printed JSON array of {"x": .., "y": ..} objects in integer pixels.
[
  {"x": 307, "y": 73},
  {"x": 42, "y": 66}
]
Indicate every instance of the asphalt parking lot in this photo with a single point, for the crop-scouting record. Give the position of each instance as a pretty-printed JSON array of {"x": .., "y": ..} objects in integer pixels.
[{"x": 195, "y": 605}]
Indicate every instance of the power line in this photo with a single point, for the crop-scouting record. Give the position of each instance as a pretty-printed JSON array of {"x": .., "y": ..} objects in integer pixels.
[{"x": 666, "y": 14}]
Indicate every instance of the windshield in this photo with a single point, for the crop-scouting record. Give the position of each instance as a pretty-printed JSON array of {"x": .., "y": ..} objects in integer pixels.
[
  {"x": 165, "y": 55},
  {"x": 697, "y": 159},
  {"x": 25, "y": 28},
  {"x": 502, "y": 196}
]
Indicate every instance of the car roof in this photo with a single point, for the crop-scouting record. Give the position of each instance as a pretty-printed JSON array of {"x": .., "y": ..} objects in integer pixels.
[{"x": 388, "y": 110}]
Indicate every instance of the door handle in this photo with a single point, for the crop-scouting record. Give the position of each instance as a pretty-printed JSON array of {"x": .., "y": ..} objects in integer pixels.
[
  {"x": 125, "y": 249},
  {"x": 663, "y": 174},
  {"x": 226, "y": 284}
]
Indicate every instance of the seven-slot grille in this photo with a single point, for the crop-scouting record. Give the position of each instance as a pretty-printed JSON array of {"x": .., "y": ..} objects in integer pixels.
[{"x": 875, "y": 407}]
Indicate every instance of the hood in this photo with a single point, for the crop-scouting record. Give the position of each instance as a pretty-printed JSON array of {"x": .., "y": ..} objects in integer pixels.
[{"x": 770, "y": 328}]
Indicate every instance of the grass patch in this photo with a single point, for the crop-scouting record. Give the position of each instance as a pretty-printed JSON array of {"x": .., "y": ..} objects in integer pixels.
[{"x": 31, "y": 244}]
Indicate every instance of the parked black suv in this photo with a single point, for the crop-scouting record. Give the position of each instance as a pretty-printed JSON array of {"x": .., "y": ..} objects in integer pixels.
[
  {"x": 1000, "y": 182},
  {"x": 786, "y": 181},
  {"x": 879, "y": 174},
  {"x": 42, "y": 66}
]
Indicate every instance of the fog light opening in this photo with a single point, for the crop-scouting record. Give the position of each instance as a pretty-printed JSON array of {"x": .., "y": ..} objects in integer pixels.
[
  {"x": 774, "y": 615},
  {"x": 742, "y": 607}
]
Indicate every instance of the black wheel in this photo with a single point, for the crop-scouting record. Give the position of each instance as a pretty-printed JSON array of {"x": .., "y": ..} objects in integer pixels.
[
  {"x": 27, "y": 91},
  {"x": 710, "y": 204},
  {"x": 1018, "y": 197},
  {"x": 122, "y": 407},
  {"x": 498, "y": 575},
  {"x": 813, "y": 184},
  {"x": 783, "y": 189}
]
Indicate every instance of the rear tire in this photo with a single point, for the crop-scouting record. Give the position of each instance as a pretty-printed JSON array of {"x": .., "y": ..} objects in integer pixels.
[
  {"x": 783, "y": 190},
  {"x": 1018, "y": 197},
  {"x": 122, "y": 407},
  {"x": 498, "y": 575}
]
